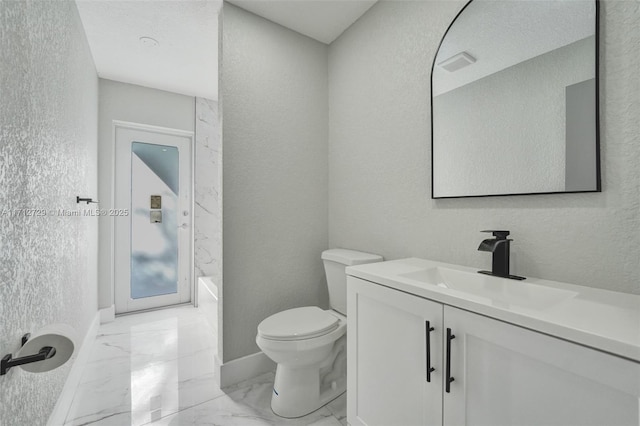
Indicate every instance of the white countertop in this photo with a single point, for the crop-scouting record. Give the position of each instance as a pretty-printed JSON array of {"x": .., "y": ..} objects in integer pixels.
[{"x": 601, "y": 319}]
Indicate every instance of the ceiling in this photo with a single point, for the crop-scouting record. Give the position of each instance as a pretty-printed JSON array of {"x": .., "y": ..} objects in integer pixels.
[
  {"x": 502, "y": 34},
  {"x": 185, "y": 59},
  {"x": 322, "y": 20}
]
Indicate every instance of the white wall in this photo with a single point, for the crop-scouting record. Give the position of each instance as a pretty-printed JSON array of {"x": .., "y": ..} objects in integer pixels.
[
  {"x": 274, "y": 103},
  {"x": 379, "y": 158},
  {"x": 48, "y": 156},
  {"x": 129, "y": 102}
]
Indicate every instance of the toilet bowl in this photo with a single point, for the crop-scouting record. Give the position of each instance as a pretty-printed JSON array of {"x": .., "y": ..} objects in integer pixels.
[
  {"x": 305, "y": 360},
  {"x": 309, "y": 344}
]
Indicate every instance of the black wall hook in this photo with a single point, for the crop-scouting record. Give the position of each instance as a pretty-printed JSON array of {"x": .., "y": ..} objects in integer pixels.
[
  {"x": 87, "y": 200},
  {"x": 8, "y": 361}
]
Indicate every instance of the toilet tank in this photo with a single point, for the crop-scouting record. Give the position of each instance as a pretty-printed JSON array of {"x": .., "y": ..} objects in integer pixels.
[{"x": 335, "y": 260}]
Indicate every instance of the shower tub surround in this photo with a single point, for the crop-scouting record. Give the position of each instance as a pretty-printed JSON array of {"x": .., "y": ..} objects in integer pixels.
[{"x": 208, "y": 215}]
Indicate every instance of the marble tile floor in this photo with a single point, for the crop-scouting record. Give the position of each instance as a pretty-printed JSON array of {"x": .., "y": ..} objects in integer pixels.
[{"x": 158, "y": 368}]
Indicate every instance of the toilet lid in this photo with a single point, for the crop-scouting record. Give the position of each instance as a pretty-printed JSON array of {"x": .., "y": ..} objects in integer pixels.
[{"x": 298, "y": 324}]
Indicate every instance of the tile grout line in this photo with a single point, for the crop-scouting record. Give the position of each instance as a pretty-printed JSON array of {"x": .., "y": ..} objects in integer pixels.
[{"x": 183, "y": 409}]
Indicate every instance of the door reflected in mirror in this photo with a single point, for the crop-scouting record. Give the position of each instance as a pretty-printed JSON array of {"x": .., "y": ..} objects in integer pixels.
[{"x": 515, "y": 100}]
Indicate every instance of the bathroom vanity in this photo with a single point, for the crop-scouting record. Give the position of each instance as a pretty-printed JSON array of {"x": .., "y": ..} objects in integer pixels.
[{"x": 432, "y": 343}]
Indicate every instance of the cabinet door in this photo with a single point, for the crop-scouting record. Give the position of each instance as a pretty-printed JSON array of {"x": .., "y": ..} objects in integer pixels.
[
  {"x": 387, "y": 357},
  {"x": 507, "y": 375}
]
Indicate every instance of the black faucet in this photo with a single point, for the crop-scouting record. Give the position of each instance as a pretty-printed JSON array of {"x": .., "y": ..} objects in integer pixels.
[{"x": 499, "y": 246}]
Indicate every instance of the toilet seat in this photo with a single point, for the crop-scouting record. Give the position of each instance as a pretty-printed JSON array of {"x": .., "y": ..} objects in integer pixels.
[{"x": 298, "y": 324}]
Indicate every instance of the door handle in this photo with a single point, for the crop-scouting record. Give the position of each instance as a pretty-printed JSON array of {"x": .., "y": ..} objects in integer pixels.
[
  {"x": 428, "y": 330},
  {"x": 448, "y": 378}
]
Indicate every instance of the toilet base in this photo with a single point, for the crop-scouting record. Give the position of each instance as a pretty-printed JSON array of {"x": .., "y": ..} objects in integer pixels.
[
  {"x": 304, "y": 397},
  {"x": 300, "y": 391}
]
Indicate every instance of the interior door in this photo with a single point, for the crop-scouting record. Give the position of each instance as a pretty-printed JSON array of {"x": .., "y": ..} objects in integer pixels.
[{"x": 152, "y": 244}]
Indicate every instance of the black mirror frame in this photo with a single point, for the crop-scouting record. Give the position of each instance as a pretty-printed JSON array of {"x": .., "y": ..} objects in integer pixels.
[{"x": 597, "y": 113}]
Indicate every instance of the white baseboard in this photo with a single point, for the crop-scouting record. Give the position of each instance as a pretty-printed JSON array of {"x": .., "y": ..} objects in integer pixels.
[
  {"x": 59, "y": 413},
  {"x": 247, "y": 367},
  {"x": 107, "y": 314}
]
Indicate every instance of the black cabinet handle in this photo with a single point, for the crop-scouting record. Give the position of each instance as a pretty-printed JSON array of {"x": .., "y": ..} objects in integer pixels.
[
  {"x": 430, "y": 369},
  {"x": 449, "y": 379}
]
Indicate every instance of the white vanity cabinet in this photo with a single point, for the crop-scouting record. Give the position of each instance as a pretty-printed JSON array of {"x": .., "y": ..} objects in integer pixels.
[
  {"x": 508, "y": 375},
  {"x": 387, "y": 361},
  {"x": 502, "y": 374}
]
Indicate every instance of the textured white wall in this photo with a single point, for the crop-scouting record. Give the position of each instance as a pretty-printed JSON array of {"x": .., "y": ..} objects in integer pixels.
[
  {"x": 208, "y": 192},
  {"x": 137, "y": 104},
  {"x": 48, "y": 156},
  {"x": 379, "y": 158},
  {"x": 274, "y": 101}
]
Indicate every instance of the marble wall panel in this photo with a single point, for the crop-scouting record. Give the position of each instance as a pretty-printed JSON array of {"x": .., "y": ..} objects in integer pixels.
[{"x": 208, "y": 214}]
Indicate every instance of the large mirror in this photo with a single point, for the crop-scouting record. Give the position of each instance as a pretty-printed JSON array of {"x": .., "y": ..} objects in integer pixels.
[{"x": 514, "y": 97}]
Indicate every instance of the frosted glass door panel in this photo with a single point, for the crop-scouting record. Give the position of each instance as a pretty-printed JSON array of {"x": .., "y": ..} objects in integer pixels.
[{"x": 154, "y": 225}]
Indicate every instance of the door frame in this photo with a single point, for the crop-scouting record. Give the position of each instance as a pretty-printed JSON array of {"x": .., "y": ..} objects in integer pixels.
[{"x": 167, "y": 131}]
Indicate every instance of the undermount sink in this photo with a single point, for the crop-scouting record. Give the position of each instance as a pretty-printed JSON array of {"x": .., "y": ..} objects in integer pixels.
[{"x": 500, "y": 291}]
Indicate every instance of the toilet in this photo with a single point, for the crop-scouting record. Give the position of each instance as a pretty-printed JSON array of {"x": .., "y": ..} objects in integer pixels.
[{"x": 309, "y": 344}]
